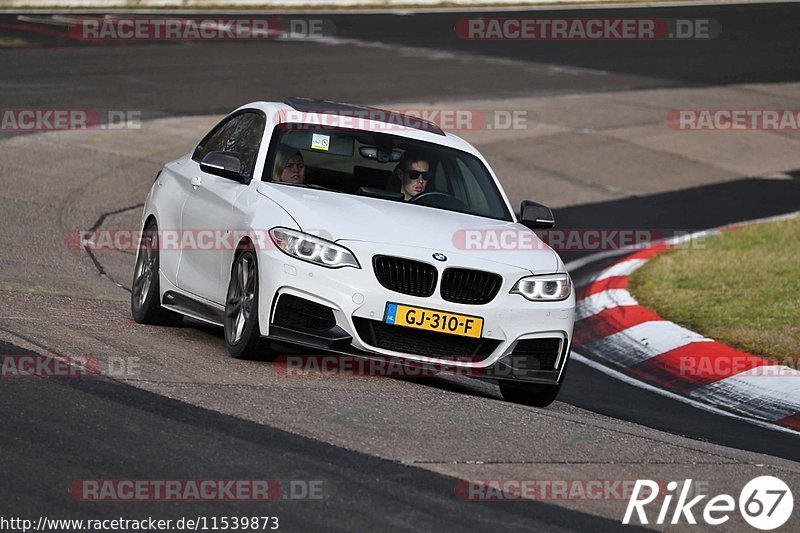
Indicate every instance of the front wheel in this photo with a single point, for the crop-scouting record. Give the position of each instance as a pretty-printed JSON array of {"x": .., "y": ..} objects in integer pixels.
[
  {"x": 242, "y": 333},
  {"x": 529, "y": 393}
]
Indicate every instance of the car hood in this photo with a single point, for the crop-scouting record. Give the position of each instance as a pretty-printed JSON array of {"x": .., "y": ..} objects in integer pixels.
[{"x": 345, "y": 217}]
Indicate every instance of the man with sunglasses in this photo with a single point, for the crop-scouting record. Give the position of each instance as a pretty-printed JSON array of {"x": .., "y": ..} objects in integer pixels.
[{"x": 413, "y": 171}]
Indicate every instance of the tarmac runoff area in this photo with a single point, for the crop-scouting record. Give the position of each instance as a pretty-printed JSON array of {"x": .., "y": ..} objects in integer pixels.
[{"x": 574, "y": 150}]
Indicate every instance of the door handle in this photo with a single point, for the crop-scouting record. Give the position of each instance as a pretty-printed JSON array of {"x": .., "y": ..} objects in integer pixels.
[{"x": 196, "y": 182}]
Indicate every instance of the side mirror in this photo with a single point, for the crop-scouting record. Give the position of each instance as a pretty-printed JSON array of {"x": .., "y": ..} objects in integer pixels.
[
  {"x": 225, "y": 164},
  {"x": 536, "y": 216}
]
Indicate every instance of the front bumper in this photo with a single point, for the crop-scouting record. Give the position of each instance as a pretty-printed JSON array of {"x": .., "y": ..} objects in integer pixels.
[{"x": 355, "y": 295}]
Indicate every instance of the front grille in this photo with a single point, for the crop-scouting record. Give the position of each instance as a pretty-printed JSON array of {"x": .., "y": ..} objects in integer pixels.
[
  {"x": 462, "y": 285},
  {"x": 536, "y": 354},
  {"x": 297, "y": 313},
  {"x": 420, "y": 342},
  {"x": 405, "y": 275}
]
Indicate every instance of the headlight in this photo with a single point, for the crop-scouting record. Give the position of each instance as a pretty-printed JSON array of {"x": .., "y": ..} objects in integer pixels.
[
  {"x": 312, "y": 249},
  {"x": 550, "y": 288}
]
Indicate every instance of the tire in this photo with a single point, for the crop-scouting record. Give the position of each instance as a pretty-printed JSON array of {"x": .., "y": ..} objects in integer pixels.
[
  {"x": 241, "y": 329},
  {"x": 529, "y": 393},
  {"x": 145, "y": 290}
]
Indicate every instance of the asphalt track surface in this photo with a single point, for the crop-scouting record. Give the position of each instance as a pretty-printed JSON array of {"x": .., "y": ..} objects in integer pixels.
[
  {"x": 757, "y": 44},
  {"x": 73, "y": 428}
]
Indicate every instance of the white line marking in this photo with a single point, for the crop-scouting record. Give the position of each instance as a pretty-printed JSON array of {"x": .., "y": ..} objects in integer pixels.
[
  {"x": 642, "y": 342},
  {"x": 623, "y": 268},
  {"x": 597, "y": 256},
  {"x": 756, "y": 392},
  {"x": 600, "y": 367},
  {"x": 583, "y": 282},
  {"x": 600, "y": 301}
]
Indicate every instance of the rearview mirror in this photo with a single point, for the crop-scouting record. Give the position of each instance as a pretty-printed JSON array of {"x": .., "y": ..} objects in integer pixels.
[
  {"x": 536, "y": 216},
  {"x": 225, "y": 164},
  {"x": 382, "y": 156}
]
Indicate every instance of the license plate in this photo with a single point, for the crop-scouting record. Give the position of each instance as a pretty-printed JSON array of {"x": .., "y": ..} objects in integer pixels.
[{"x": 432, "y": 320}]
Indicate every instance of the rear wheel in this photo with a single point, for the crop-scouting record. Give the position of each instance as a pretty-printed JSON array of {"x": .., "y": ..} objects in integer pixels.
[
  {"x": 529, "y": 393},
  {"x": 145, "y": 290},
  {"x": 242, "y": 333}
]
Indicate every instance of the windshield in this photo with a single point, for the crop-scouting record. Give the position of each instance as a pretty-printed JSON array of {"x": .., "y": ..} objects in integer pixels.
[{"x": 383, "y": 166}]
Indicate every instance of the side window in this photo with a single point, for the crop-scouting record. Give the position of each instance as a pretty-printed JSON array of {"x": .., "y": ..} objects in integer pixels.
[
  {"x": 241, "y": 134},
  {"x": 246, "y": 139},
  {"x": 217, "y": 140}
]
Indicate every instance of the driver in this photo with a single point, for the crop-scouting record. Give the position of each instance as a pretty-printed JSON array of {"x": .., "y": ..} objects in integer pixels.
[{"x": 413, "y": 172}]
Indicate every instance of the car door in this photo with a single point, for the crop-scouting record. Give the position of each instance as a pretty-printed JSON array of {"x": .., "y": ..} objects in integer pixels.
[
  {"x": 208, "y": 212},
  {"x": 170, "y": 192}
]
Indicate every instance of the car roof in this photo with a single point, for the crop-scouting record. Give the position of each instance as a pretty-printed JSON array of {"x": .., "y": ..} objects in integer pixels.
[
  {"x": 309, "y": 105},
  {"x": 354, "y": 116}
]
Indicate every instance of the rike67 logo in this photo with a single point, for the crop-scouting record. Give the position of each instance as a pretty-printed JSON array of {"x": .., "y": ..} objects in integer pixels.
[{"x": 765, "y": 503}]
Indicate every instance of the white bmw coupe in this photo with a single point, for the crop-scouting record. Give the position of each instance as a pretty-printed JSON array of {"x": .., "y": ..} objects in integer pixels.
[{"x": 348, "y": 229}]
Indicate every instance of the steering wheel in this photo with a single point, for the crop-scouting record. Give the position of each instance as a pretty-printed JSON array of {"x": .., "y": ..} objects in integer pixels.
[{"x": 438, "y": 199}]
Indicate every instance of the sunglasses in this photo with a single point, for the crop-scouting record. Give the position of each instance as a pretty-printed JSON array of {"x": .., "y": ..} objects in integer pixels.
[{"x": 414, "y": 175}]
